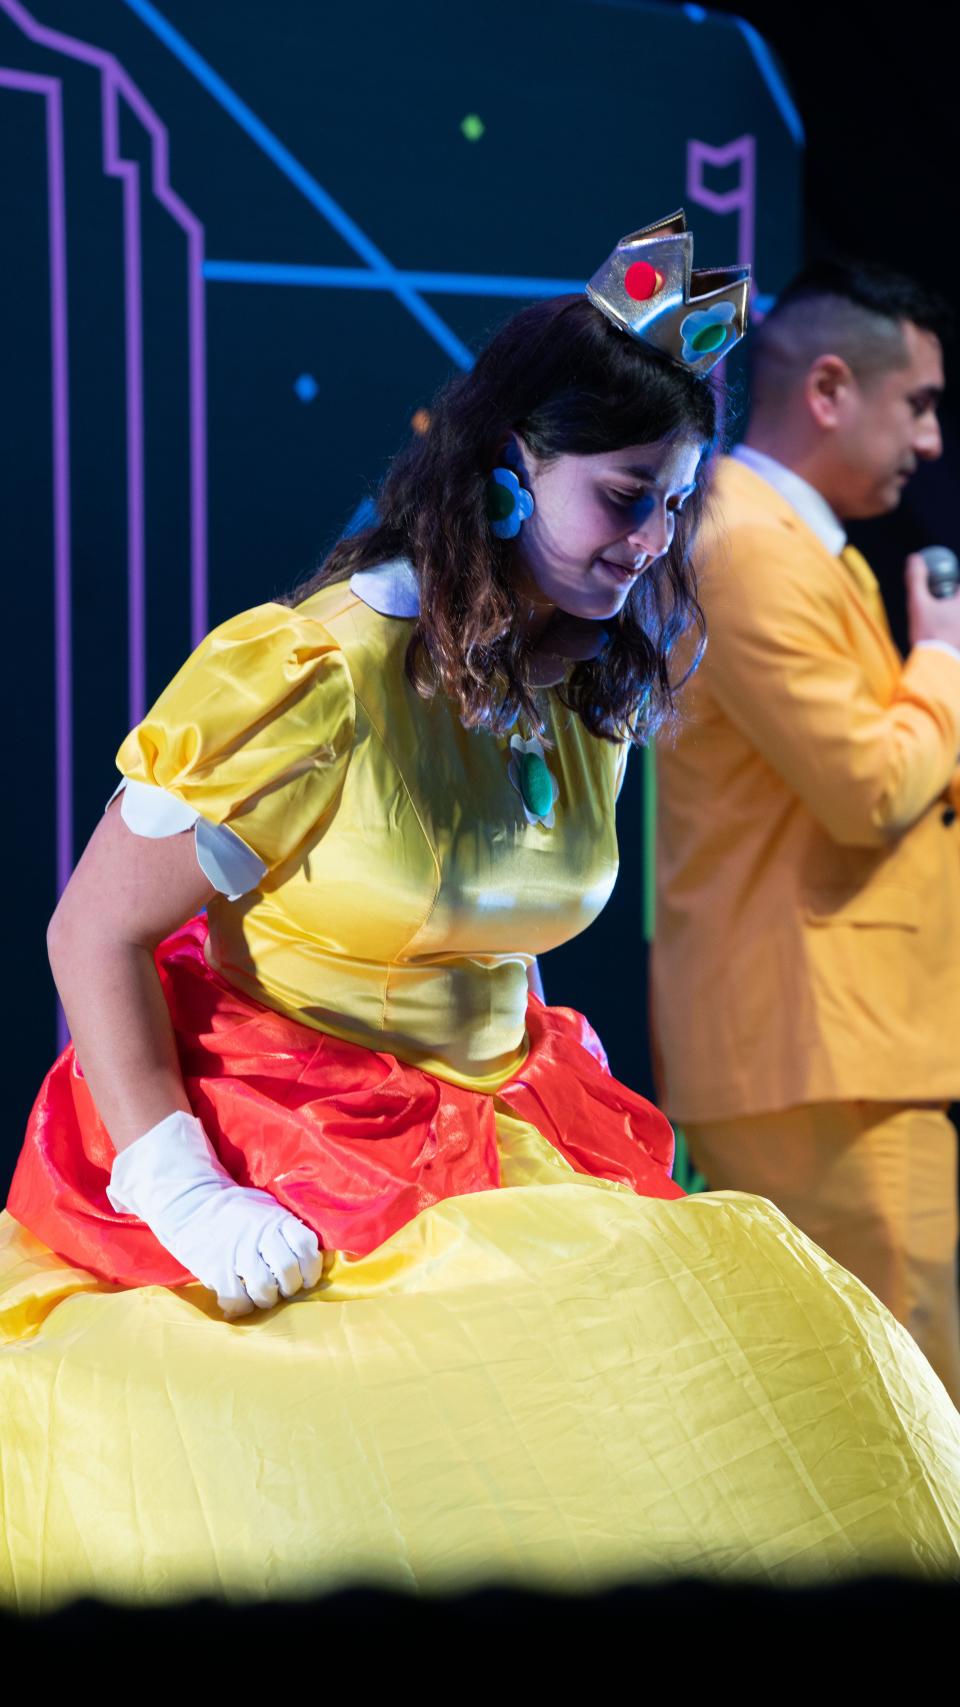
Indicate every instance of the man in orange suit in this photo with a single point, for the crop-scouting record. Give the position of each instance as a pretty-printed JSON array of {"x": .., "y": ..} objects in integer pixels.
[{"x": 806, "y": 971}]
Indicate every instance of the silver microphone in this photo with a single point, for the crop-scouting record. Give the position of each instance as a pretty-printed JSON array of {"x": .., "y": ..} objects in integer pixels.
[{"x": 943, "y": 571}]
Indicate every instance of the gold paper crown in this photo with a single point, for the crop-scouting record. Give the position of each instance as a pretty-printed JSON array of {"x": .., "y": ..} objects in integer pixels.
[{"x": 649, "y": 289}]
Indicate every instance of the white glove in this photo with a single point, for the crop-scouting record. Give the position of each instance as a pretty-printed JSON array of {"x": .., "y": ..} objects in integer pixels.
[{"x": 239, "y": 1242}]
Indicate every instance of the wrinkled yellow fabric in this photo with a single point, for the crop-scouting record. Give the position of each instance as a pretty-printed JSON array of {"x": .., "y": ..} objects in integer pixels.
[
  {"x": 552, "y": 1383},
  {"x": 534, "y": 1385},
  {"x": 407, "y": 894}
]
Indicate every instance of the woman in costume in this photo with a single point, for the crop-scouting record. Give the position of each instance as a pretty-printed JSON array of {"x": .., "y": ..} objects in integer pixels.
[{"x": 332, "y": 1250}]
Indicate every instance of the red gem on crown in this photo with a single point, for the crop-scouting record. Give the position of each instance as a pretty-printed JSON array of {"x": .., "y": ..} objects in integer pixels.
[{"x": 641, "y": 281}]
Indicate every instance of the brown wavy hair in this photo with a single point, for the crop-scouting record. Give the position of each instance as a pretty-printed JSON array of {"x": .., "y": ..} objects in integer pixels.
[{"x": 565, "y": 380}]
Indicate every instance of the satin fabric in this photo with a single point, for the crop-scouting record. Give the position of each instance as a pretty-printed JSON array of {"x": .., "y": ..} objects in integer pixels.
[
  {"x": 875, "y": 1184},
  {"x": 407, "y": 893},
  {"x": 555, "y": 1383},
  {"x": 353, "y": 1142},
  {"x": 545, "y": 1378},
  {"x": 538, "y": 1375}
]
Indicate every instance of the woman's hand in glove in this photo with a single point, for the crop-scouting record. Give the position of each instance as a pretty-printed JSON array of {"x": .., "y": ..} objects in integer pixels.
[{"x": 238, "y": 1241}]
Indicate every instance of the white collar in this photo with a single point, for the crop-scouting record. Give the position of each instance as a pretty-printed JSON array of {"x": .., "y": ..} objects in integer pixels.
[
  {"x": 811, "y": 506},
  {"x": 392, "y": 589}
]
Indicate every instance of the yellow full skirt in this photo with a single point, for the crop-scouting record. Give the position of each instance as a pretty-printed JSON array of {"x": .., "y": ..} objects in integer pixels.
[{"x": 541, "y": 1386}]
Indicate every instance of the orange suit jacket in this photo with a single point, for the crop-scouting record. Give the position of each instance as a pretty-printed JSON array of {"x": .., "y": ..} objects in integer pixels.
[{"x": 808, "y": 875}]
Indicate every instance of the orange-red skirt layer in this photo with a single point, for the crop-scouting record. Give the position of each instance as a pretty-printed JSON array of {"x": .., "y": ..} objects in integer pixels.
[{"x": 354, "y": 1142}]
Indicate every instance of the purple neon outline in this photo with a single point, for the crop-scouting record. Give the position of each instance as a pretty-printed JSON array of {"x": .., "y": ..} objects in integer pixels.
[
  {"x": 120, "y": 84},
  {"x": 129, "y": 174},
  {"x": 51, "y": 90},
  {"x": 742, "y": 199}
]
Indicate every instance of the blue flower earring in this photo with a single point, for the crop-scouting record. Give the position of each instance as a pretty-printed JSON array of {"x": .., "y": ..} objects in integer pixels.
[{"x": 509, "y": 504}]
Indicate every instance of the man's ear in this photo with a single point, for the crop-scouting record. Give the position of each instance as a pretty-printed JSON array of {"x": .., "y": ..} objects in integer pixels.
[{"x": 826, "y": 388}]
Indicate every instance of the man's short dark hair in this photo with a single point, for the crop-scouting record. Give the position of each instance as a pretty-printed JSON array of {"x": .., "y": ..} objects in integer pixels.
[{"x": 855, "y": 310}]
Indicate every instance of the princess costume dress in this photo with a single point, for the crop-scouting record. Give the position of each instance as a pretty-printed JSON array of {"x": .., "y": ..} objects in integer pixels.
[{"x": 530, "y": 1359}]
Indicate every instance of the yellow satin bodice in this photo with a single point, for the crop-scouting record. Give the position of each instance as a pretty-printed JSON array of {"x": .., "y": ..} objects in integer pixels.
[{"x": 407, "y": 893}]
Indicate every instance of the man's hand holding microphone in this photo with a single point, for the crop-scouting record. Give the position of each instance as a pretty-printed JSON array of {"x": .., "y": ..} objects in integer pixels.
[{"x": 933, "y": 608}]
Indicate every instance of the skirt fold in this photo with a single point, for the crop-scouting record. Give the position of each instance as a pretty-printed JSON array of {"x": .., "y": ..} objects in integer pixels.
[{"x": 539, "y": 1385}]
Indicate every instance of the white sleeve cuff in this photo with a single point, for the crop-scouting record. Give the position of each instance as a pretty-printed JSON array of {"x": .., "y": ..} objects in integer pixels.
[
  {"x": 939, "y": 646},
  {"x": 232, "y": 867}
]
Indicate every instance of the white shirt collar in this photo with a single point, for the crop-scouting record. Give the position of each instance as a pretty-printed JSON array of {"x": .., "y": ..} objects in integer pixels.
[
  {"x": 811, "y": 506},
  {"x": 391, "y": 588}
]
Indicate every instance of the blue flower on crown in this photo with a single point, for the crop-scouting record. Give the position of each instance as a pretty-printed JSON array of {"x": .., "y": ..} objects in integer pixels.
[
  {"x": 509, "y": 504},
  {"x": 706, "y": 331}
]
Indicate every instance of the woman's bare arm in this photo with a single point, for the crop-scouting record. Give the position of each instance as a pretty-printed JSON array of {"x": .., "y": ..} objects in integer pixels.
[{"x": 127, "y": 893}]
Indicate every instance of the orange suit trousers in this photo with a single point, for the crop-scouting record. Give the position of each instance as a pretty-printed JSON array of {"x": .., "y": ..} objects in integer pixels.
[{"x": 875, "y": 1185}]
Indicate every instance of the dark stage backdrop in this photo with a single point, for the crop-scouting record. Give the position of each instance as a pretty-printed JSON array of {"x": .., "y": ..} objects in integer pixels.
[{"x": 243, "y": 244}]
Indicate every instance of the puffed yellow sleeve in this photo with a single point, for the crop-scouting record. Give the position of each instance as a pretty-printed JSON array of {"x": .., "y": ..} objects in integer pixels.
[{"x": 254, "y": 732}]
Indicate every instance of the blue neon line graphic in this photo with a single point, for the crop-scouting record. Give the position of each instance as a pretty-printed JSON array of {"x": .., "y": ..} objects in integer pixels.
[
  {"x": 360, "y": 278},
  {"x": 380, "y": 274},
  {"x": 302, "y": 180},
  {"x": 763, "y": 58},
  {"x": 773, "y": 79},
  {"x": 363, "y": 516}
]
